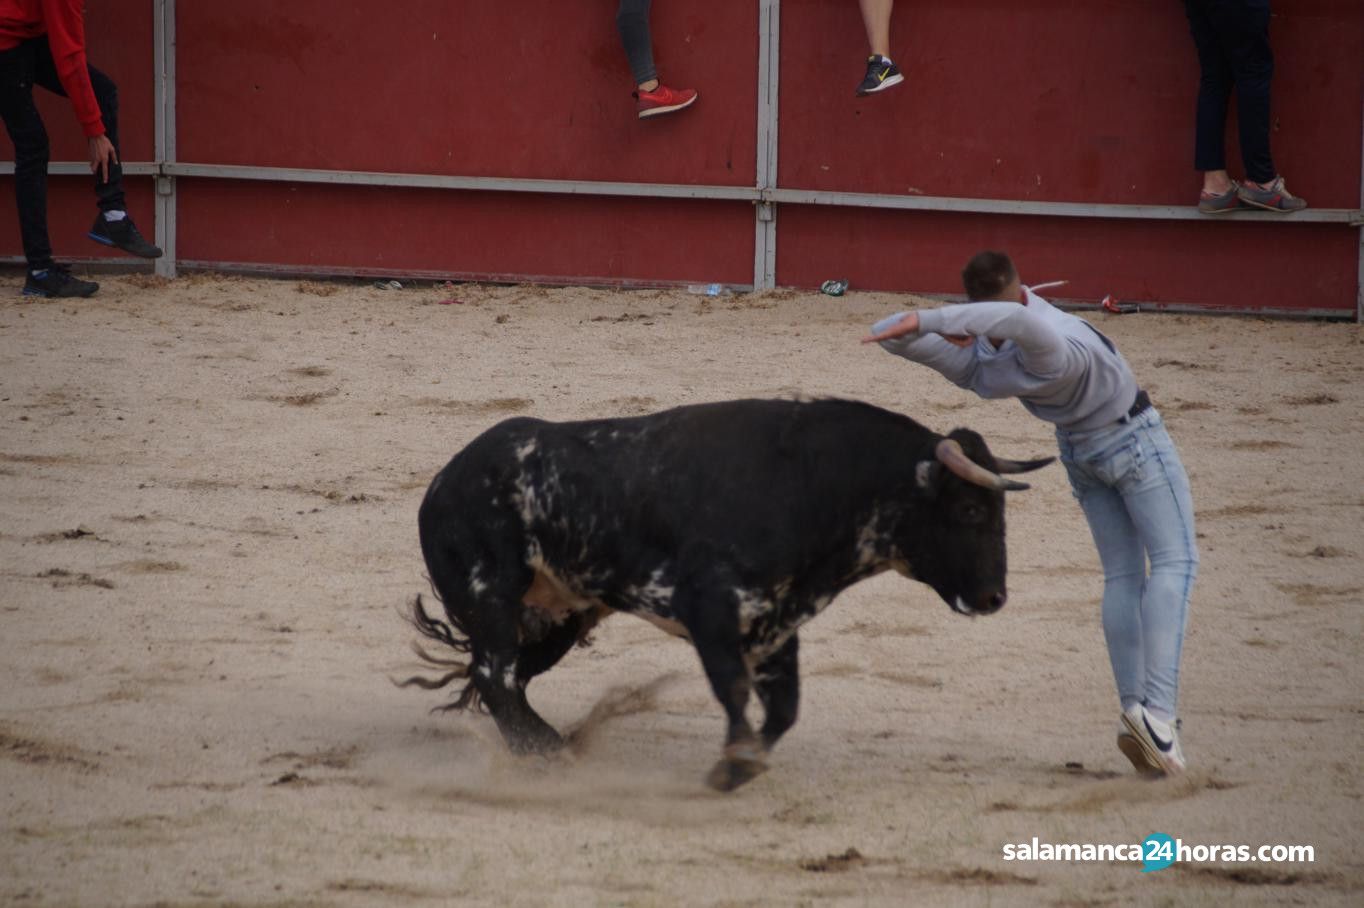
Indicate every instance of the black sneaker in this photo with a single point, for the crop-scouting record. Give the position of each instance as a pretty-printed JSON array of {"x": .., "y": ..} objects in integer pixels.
[
  {"x": 57, "y": 281},
  {"x": 123, "y": 234},
  {"x": 881, "y": 74}
]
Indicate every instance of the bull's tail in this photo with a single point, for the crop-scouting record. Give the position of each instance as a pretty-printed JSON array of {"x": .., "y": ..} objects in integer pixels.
[{"x": 450, "y": 635}]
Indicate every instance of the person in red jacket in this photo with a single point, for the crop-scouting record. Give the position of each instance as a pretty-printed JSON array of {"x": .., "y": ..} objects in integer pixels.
[{"x": 42, "y": 42}]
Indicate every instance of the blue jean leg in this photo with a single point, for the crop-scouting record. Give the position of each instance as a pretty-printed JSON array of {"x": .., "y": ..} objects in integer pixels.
[{"x": 1135, "y": 495}]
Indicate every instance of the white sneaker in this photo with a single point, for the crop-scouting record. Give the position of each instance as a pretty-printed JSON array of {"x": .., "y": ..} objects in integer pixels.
[
  {"x": 1157, "y": 741},
  {"x": 1131, "y": 749}
]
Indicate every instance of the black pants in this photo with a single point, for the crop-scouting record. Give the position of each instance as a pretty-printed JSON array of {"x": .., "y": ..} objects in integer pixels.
[
  {"x": 21, "y": 68},
  {"x": 632, "y": 19},
  {"x": 1232, "y": 37}
]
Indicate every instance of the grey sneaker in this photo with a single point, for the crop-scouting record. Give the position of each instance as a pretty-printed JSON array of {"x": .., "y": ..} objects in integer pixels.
[
  {"x": 1274, "y": 198},
  {"x": 1220, "y": 204},
  {"x": 1157, "y": 740}
]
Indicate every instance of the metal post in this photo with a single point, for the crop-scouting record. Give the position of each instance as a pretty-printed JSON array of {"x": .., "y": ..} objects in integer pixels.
[
  {"x": 765, "y": 222},
  {"x": 1359, "y": 286},
  {"x": 164, "y": 102}
]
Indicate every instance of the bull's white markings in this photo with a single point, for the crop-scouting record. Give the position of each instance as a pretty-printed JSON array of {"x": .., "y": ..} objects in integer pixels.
[
  {"x": 534, "y": 557},
  {"x": 485, "y": 671},
  {"x": 923, "y": 473},
  {"x": 654, "y": 597},
  {"x": 531, "y": 499},
  {"x": 961, "y": 608},
  {"x": 752, "y": 604},
  {"x": 509, "y": 675},
  {"x": 534, "y": 495},
  {"x": 524, "y": 502},
  {"x": 476, "y": 584},
  {"x": 868, "y": 540}
]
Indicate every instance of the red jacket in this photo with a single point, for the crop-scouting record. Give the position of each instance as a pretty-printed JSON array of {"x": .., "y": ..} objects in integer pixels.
[{"x": 63, "y": 21}]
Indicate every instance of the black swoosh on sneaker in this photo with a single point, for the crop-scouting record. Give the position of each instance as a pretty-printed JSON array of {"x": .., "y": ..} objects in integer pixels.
[{"x": 1163, "y": 745}]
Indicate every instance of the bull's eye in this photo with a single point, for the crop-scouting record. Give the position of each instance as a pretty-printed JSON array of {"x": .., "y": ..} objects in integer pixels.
[{"x": 971, "y": 513}]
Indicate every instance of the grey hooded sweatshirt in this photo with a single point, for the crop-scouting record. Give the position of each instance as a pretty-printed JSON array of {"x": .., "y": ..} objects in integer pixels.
[{"x": 1059, "y": 366}]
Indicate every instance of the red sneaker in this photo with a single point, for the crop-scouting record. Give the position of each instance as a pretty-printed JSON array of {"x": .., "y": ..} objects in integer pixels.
[{"x": 663, "y": 100}]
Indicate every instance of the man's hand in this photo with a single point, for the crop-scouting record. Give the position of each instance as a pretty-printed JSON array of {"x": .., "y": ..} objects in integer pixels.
[
  {"x": 909, "y": 324},
  {"x": 102, "y": 154}
]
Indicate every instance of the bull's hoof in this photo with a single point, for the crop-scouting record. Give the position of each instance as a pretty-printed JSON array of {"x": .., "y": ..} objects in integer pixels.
[
  {"x": 731, "y": 772},
  {"x": 542, "y": 743}
]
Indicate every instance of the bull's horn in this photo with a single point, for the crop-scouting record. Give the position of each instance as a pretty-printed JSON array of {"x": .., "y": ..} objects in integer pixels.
[
  {"x": 954, "y": 458},
  {"x": 1008, "y": 467}
]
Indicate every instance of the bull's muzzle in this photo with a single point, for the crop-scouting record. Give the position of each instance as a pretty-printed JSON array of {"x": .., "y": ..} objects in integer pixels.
[{"x": 988, "y": 606}]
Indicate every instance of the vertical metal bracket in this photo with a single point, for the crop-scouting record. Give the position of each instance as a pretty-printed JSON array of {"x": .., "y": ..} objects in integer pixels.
[
  {"x": 1359, "y": 285},
  {"x": 765, "y": 221},
  {"x": 164, "y": 101}
]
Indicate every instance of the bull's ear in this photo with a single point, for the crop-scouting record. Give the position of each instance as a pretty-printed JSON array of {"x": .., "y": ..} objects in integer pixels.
[{"x": 927, "y": 474}]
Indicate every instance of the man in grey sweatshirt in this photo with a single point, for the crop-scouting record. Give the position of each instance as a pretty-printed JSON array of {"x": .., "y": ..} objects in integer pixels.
[{"x": 1123, "y": 469}]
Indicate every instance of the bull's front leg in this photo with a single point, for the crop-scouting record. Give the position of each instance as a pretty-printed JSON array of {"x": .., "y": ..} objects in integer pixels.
[{"x": 714, "y": 629}]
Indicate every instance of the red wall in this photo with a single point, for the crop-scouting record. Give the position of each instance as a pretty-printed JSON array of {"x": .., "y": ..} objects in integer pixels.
[
  {"x": 475, "y": 235},
  {"x": 538, "y": 90},
  {"x": 1240, "y": 266},
  {"x": 1086, "y": 101},
  {"x": 1082, "y": 101}
]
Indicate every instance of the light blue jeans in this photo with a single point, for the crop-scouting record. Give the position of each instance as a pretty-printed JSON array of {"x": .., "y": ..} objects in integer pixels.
[{"x": 1135, "y": 494}]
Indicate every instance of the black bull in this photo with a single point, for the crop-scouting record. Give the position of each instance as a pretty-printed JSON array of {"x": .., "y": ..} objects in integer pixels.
[{"x": 730, "y": 524}]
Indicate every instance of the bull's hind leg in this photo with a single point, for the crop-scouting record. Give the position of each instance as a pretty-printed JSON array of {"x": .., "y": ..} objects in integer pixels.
[
  {"x": 500, "y": 677},
  {"x": 473, "y": 550},
  {"x": 777, "y": 680},
  {"x": 485, "y": 602}
]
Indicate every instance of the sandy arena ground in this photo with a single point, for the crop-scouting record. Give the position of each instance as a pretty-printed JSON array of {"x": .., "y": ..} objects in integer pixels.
[{"x": 208, "y": 495}]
